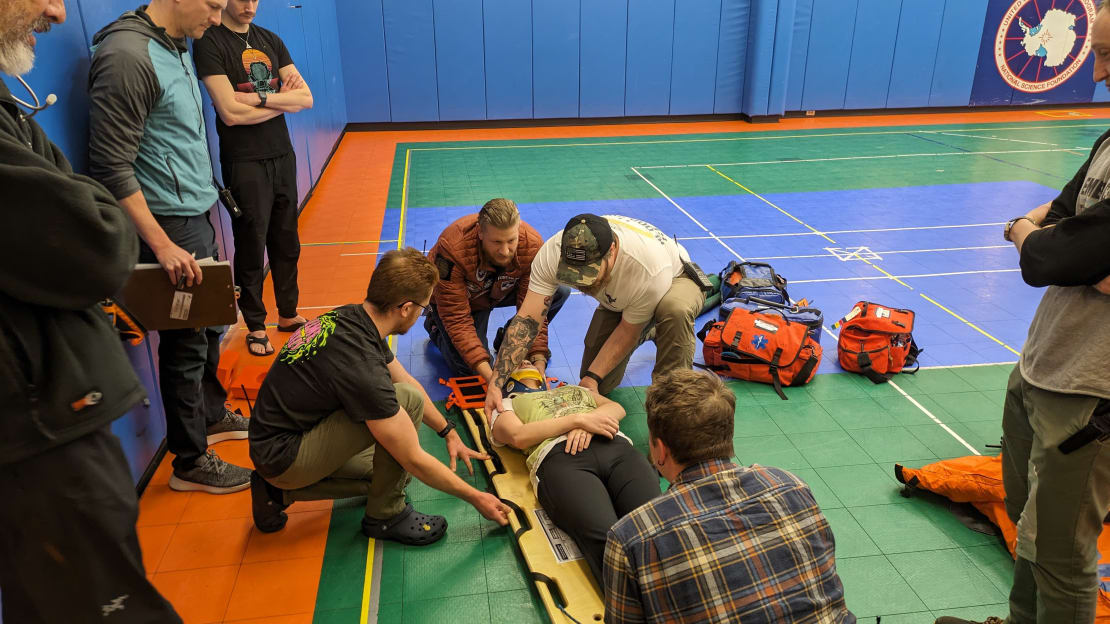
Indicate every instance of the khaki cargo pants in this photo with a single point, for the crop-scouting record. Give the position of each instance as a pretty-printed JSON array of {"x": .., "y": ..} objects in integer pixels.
[
  {"x": 1058, "y": 502},
  {"x": 674, "y": 333},
  {"x": 338, "y": 458}
]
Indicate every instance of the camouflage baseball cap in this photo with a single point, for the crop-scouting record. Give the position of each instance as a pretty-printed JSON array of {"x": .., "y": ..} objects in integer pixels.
[{"x": 586, "y": 240}]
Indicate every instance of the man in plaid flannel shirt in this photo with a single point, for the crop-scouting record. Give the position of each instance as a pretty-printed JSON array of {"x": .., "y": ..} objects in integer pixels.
[{"x": 726, "y": 543}]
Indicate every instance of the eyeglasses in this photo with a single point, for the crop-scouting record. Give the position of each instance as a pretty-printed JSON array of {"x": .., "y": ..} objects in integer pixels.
[{"x": 423, "y": 308}]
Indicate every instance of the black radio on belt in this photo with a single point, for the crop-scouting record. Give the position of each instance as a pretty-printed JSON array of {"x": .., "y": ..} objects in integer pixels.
[
  {"x": 694, "y": 272},
  {"x": 1097, "y": 429},
  {"x": 227, "y": 200}
]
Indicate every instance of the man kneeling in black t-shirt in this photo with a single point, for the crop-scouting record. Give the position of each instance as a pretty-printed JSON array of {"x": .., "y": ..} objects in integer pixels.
[{"x": 337, "y": 415}]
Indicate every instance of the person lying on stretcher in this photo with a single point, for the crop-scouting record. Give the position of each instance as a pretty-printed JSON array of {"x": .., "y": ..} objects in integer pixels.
[{"x": 584, "y": 470}]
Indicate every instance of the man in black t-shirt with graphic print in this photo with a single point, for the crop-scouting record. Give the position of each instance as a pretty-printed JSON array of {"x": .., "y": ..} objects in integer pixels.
[
  {"x": 337, "y": 415},
  {"x": 253, "y": 82}
]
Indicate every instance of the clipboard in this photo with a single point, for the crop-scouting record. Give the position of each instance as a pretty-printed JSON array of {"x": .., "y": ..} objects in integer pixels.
[{"x": 158, "y": 304}]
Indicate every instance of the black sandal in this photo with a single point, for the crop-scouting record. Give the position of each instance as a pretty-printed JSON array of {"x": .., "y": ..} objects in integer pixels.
[
  {"x": 288, "y": 329},
  {"x": 410, "y": 527},
  {"x": 255, "y": 340}
]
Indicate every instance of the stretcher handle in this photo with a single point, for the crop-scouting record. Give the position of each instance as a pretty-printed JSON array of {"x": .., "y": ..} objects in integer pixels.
[{"x": 524, "y": 524}]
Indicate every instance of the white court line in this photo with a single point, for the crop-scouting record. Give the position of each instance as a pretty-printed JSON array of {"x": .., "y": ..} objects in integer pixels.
[
  {"x": 895, "y": 229},
  {"x": 753, "y": 138},
  {"x": 935, "y": 419},
  {"x": 886, "y": 277},
  {"x": 880, "y": 253},
  {"x": 683, "y": 210},
  {"x": 843, "y": 158},
  {"x": 978, "y": 136},
  {"x": 1010, "y": 363},
  {"x": 919, "y": 405}
]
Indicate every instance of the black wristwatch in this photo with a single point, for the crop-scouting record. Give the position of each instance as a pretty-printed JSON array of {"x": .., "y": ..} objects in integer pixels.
[
  {"x": 262, "y": 99},
  {"x": 443, "y": 432},
  {"x": 1010, "y": 226},
  {"x": 594, "y": 376}
]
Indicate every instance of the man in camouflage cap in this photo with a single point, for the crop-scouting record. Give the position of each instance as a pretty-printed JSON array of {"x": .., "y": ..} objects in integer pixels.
[{"x": 639, "y": 277}]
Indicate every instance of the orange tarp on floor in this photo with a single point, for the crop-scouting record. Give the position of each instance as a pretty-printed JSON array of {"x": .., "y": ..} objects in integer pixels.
[{"x": 977, "y": 479}]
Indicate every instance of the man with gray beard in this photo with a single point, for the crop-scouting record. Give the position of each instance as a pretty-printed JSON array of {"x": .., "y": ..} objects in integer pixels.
[{"x": 68, "y": 547}]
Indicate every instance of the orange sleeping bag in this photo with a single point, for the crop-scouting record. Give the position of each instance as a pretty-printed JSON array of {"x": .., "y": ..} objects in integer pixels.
[{"x": 977, "y": 479}]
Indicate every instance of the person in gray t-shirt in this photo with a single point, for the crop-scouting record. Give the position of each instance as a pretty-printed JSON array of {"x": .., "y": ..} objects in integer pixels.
[{"x": 1057, "y": 498}]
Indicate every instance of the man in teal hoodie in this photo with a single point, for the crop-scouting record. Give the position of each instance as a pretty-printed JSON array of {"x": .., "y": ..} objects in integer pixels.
[{"x": 147, "y": 145}]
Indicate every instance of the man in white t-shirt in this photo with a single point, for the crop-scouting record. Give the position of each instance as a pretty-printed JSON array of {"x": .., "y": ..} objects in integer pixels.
[{"x": 638, "y": 277}]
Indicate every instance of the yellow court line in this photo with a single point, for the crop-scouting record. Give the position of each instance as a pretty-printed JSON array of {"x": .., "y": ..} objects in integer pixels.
[
  {"x": 804, "y": 224},
  {"x": 368, "y": 582},
  {"x": 746, "y": 138},
  {"x": 970, "y": 324},
  {"x": 347, "y": 243},
  {"x": 369, "y": 576},
  {"x": 878, "y": 268},
  {"x": 404, "y": 201}
]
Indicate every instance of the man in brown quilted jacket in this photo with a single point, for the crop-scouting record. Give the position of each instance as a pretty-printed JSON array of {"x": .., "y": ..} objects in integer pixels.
[{"x": 484, "y": 262}]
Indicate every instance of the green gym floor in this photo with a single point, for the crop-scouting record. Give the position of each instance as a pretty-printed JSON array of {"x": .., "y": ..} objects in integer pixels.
[
  {"x": 905, "y": 210},
  {"x": 908, "y": 216}
]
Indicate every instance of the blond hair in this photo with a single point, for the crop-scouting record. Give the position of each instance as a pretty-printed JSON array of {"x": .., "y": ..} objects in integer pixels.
[
  {"x": 499, "y": 213},
  {"x": 692, "y": 413}
]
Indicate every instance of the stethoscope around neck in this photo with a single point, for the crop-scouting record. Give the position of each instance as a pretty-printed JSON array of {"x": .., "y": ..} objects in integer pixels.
[{"x": 33, "y": 109}]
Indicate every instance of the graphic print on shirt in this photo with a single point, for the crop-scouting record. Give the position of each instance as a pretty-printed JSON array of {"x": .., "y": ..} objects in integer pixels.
[
  {"x": 260, "y": 73},
  {"x": 565, "y": 400},
  {"x": 309, "y": 339}
]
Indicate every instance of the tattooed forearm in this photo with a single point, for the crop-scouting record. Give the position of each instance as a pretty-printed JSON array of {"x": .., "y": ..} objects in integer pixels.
[
  {"x": 546, "y": 307},
  {"x": 518, "y": 339}
]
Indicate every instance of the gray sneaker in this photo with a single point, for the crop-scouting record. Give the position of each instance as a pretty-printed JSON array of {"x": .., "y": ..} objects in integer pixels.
[
  {"x": 233, "y": 426},
  {"x": 211, "y": 474}
]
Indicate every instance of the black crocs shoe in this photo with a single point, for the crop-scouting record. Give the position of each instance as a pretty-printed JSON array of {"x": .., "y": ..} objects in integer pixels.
[
  {"x": 267, "y": 505},
  {"x": 410, "y": 527}
]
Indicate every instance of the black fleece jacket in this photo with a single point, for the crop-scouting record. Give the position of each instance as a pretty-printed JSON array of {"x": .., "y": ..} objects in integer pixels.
[
  {"x": 65, "y": 244},
  {"x": 1077, "y": 251}
]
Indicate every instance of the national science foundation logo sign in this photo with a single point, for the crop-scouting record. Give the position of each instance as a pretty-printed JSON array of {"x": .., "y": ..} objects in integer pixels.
[{"x": 1042, "y": 43}]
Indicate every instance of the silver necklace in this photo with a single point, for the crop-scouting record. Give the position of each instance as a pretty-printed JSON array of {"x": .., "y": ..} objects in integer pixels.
[{"x": 246, "y": 40}]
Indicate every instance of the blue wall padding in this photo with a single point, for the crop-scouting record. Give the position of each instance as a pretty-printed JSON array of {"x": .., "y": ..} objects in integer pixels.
[
  {"x": 361, "y": 36},
  {"x": 694, "y": 66},
  {"x": 911, "y": 75},
  {"x": 140, "y": 432},
  {"x": 508, "y": 59},
  {"x": 555, "y": 43},
  {"x": 460, "y": 69},
  {"x": 830, "y": 38},
  {"x": 96, "y": 14},
  {"x": 410, "y": 54},
  {"x": 731, "y": 56},
  {"x": 650, "y": 45},
  {"x": 872, "y": 53},
  {"x": 957, "y": 52},
  {"x": 301, "y": 127},
  {"x": 760, "y": 57},
  {"x": 319, "y": 143},
  {"x": 603, "y": 53},
  {"x": 333, "y": 68},
  {"x": 799, "y": 54},
  {"x": 780, "y": 64},
  {"x": 62, "y": 68}
]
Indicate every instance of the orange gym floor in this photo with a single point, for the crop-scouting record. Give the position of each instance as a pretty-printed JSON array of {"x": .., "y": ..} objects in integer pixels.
[{"x": 201, "y": 550}]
